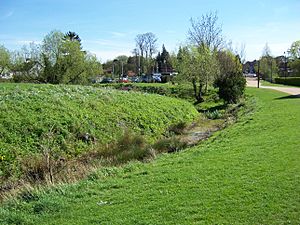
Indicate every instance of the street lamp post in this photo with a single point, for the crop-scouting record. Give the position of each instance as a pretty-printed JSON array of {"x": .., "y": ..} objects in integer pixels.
[
  {"x": 285, "y": 65},
  {"x": 271, "y": 70},
  {"x": 122, "y": 68},
  {"x": 258, "y": 76},
  {"x": 139, "y": 65}
]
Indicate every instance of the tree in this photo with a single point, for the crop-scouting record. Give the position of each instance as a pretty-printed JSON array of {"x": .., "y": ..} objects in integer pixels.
[
  {"x": 140, "y": 50},
  {"x": 163, "y": 60},
  {"x": 52, "y": 46},
  {"x": 122, "y": 59},
  {"x": 206, "y": 35},
  {"x": 64, "y": 61},
  {"x": 206, "y": 32},
  {"x": 150, "y": 42},
  {"x": 71, "y": 64},
  {"x": 4, "y": 60},
  {"x": 72, "y": 36},
  {"x": 228, "y": 62},
  {"x": 268, "y": 66},
  {"x": 145, "y": 48},
  {"x": 198, "y": 66},
  {"x": 92, "y": 67},
  {"x": 26, "y": 64},
  {"x": 294, "y": 53}
]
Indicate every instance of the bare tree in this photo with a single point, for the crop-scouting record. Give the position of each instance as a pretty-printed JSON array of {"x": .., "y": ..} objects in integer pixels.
[
  {"x": 206, "y": 32},
  {"x": 146, "y": 47},
  {"x": 242, "y": 53},
  {"x": 140, "y": 44},
  {"x": 151, "y": 46},
  {"x": 266, "y": 51}
]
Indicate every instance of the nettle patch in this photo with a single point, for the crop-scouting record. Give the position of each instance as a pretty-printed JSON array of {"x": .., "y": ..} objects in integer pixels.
[{"x": 66, "y": 121}]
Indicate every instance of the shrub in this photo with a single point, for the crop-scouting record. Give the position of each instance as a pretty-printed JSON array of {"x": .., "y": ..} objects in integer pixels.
[
  {"x": 178, "y": 128},
  {"x": 215, "y": 114},
  {"x": 129, "y": 147},
  {"x": 294, "y": 81},
  {"x": 231, "y": 86},
  {"x": 169, "y": 145}
]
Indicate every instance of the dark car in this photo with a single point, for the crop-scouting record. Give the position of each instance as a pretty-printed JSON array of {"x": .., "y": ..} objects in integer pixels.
[{"x": 106, "y": 80}]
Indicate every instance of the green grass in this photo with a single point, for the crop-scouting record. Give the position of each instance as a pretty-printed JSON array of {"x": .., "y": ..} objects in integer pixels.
[
  {"x": 248, "y": 173},
  {"x": 36, "y": 119}
]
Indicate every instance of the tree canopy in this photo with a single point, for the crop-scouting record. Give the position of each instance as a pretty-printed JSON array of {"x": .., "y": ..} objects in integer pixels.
[
  {"x": 205, "y": 31},
  {"x": 4, "y": 60},
  {"x": 59, "y": 59}
]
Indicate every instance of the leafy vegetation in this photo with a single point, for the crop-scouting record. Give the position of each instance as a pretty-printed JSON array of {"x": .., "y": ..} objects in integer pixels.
[
  {"x": 231, "y": 86},
  {"x": 62, "y": 122},
  {"x": 58, "y": 60},
  {"x": 199, "y": 66},
  {"x": 183, "y": 91},
  {"x": 293, "y": 81},
  {"x": 242, "y": 175}
]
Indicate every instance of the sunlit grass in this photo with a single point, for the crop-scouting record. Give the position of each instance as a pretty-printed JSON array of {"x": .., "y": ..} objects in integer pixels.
[{"x": 248, "y": 173}]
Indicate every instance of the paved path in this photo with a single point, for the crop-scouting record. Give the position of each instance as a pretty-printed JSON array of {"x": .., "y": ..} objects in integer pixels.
[{"x": 252, "y": 82}]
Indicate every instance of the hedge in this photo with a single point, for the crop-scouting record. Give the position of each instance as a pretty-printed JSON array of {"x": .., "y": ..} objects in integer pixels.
[{"x": 294, "y": 81}]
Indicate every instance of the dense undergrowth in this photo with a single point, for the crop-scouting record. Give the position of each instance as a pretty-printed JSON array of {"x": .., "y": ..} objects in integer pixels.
[
  {"x": 184, "y": 91},
  {"x": 57, "y": 123}
]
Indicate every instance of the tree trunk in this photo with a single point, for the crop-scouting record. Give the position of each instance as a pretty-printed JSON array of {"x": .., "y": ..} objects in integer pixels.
[
  {"x": 200, "y": 97},
  {"x": 197, "y": 92},
  {"x": 195, "y": 89},
  {"x": 206, "y": 85}
]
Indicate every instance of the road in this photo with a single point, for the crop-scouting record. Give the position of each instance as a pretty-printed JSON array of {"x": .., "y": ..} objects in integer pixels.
[{"x": 252, "y": 82}]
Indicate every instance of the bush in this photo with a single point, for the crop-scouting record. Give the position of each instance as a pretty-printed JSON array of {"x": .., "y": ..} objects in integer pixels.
[
  {"x": 294, "y": 81},
  {"x": 169, "y": 145},
  {"x": 231, "y": 86},
  {"x": 4, "y": 80},
  {"x": 215, "y": 114}
]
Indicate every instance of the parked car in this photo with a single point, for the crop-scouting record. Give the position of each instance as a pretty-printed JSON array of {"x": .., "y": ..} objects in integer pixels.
[
  {"x": 135, "y": 79},
  {"x": 146, "y": 78},
  {"x": 123, "y": 80},
  {"x": 106, "y": 80},
  {"x": 156, "y": 77}
]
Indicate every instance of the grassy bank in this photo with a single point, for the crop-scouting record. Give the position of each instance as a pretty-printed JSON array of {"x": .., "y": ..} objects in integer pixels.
[
  {"x": 246, "y": 174},
  {"x": 63, "y": 122}
]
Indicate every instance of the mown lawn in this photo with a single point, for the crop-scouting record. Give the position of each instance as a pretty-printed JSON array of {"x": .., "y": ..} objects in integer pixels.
[{"x": 248, "y": 173}]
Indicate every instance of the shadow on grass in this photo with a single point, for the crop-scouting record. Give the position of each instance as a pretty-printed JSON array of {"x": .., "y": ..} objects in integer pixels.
[{"x": 288, "y": 97}]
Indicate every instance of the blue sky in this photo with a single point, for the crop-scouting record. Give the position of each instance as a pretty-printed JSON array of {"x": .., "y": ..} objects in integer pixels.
[{"x": 108, "y": 27}]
